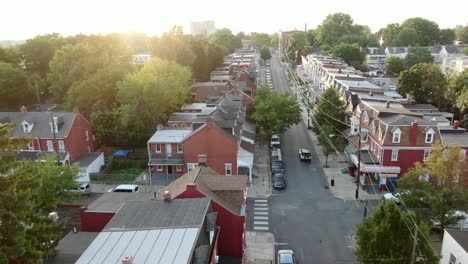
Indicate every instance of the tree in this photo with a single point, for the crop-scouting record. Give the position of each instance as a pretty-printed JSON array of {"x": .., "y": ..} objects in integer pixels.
[
  {"x": 330, "y": 142},
  {"x": 215, "y": 56},
  {"x": 389, "y": 34},
  {"x": 200, "y": 69},
  {"x": 175, "y": 46},
  {"x": 330, "y": 111},
  {"x": 275, "y": 112},
  {"x": 447, "y": 36},
  {"x": 274, "y": 39},
  {"x": 311, "y": 35},
  {"x": 456, "y": 93},
  {"x": 226, "y": 40},
  {"x": 406, "y": 37},
  {"x": 461, "y": 33},
  {"x": 297, "y": 46},
  {"x": 28, "y": 193},
  {"x": 425, "y": 82},
  {"x": 418, "y": 55},
  {"x": 388, "y": 235},
  {"x": 10, "y": 54},
  {"x": 350, "y": 53},
  {"x": 333, "y": 27},
  {"x": 427, "y": 31},
  {"x": 260, "y": 39},
  {"x": 148, "y": 97},
  {"x": 465, "y": 51},
  {"x": 15, "y": 90},
  {"x": 395, "y": 64},
  {"x": 265, "y": 53},
  {"x": 39, "y": 51},
  {"x": 443, "y": 192}
]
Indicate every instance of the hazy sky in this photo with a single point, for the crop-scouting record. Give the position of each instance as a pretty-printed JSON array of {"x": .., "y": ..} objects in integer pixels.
[{"x": 21, "y": 19}]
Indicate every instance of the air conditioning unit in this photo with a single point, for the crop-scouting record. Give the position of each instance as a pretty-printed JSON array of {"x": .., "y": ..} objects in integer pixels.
[{"x": 53, "y": 216}]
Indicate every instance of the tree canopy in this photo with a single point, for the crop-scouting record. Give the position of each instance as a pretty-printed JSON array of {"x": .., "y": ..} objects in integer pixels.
[
  {"x": 395, "y": 64},
  {"x": 260, "y": 39},
  {"x": 330, "y": 111},
  {"x": 226, "y": 40},
  {"x": 350, "y": 53},
  {"x": 265, "y": 53},
  {"x": 15, "y": 89},
  {"x": 297, "y": 43},
  {"x": 388, "y": 234},
  {"x": 457, "y": 91},
  {"x": 275, "y": 112},
  {"x": 418, "y": 55},
  {"x": 414, "y": 31}
]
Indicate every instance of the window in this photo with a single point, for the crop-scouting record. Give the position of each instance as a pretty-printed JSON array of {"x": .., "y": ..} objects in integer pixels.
[
  {"x": 453, "y": 259},
  {"x": 430, "y": 136},
  {"x": 462, "y": 155},
  {"x": 61, "y": 146},
  {"x": 396, "y": 136},
  {"x": 179, "y": 148},
  {"x": 50, "y": 145},
  {"x": 87, "y": 135},
  {"x": 394, "y": 154},
  {"x": 159, "y": 167},
  {"x": 427, "y": 152},
  {"x": 191, "y": 166},
  {"x": 26, "y": 127},
  {"x": 158, "y": 148},
  {"x": 31, "y": 146},
  {"x": 228, "y": 169},
  {"x": 179, "y": 168}
]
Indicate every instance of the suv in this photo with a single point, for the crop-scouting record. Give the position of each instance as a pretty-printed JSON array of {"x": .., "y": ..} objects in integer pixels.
[
  {"x": 286, "y": 256},
  {"x": 279, "y": 181},
  {"x": 275, "y": 141},
  {"x": 304, "y": 154},
  {"x": 131, "y": 188}
]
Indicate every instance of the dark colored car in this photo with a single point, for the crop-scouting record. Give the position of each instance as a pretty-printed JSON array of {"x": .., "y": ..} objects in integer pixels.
[
  {"x": 276, "y": 165},
  {"x": 279, "y": 182}
]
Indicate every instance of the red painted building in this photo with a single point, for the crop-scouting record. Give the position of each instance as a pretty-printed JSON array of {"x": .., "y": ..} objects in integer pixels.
[
  {"x": 245, "y": 82},
  {"x": 227, "y": 196},
  {"x": 67, "y": 133}
]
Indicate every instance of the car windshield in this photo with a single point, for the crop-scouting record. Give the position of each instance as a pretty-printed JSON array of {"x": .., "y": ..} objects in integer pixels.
[
  {"x": 279, "y": 178},
  {"x": 122, "y": 190},
  {"x": 306, "y": 153},
  {"x": 286, "y": 259}
]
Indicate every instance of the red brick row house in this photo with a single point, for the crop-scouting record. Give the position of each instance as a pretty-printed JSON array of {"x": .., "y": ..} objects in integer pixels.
[{"x": 66, "y": 133}]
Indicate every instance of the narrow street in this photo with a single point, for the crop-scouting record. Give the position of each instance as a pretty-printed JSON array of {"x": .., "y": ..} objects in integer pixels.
[{"x": 306, "y": 217}]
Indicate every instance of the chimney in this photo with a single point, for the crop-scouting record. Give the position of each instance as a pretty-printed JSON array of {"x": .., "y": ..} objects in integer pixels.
[
  {"x": 387, "y": 104},
  {"x": 202, "y": 158},
  {"x": 414, "y": 133},
  {"x": 159, "y": 126},
  {"x": 456, "y": 123},
  {"x": 339, "y": 70},
  {"x": 55, "y": 118},
  {"x": 167, "y": 196},
  {"x": 371, "y": 94},
  {"x": 23, "y": 109},
  {"x": 76, "y": 110},
  {"x": 127, "y": 260}
]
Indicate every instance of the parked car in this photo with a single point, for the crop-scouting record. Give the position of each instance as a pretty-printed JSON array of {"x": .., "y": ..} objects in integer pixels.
[
  {"x": 279, "y": 181},
  {"x": 304, "y": 154},
  {"x": 276, "y": 154},
  {"x": 276, "y": 165},
  {"x": 286, "y": 256},
  {"x": 275, "y": 141},
  {"x": 131, "y": 188},
  {"x": 390, "y": 196},
  {"x": 85, "y": 188}
]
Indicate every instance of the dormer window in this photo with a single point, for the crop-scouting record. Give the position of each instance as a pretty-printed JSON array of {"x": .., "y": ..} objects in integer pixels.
[
  {"x": 366, "y": 118},
  {"x": 396, "y": 135},
  {"x": 26, "y": 126},
  {"x": 430, "y": 136}
]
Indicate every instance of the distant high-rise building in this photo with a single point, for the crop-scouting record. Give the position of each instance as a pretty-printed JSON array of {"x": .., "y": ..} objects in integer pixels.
[{"x": 204, "y": 28}]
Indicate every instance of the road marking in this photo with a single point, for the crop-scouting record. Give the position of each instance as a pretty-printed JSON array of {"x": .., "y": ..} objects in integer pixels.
[
  {"x": 260, "y": 217},
  {"x": 260, "y": 209},
  {"x": 260, "y": 213},
  {"x": 261, "y": 201},
  {"x": 261, "y": 205},
  {"x": 260, "y": 228},
  {"x": 281, "y": 244},
  {"x": 260, "y": 223}
]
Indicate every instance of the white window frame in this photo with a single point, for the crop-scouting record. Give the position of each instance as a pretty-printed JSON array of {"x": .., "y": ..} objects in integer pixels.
[
  {"x": 61, "y": 146},
  {"x": 431, "y": 134},
  {"x": 159, "y": 168},
  {"x": 158, "y": 148},
  {"x": 179, "y": 168},
  {"x": 191, "y": 166},
  {"x": 87, "y": 135},
  {"x": 397, "y": 134},
  {"x": 228, "y": 168},
  {"x": 179, "y": 148},
  {"x": 394, "y": 154},
  {"x": 427, "y": 153},
  {"x": 31, "y": 146},
  {"x": 50, "y": 145}
]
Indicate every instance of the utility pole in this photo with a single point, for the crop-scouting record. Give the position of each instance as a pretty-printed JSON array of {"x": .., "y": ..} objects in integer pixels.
[
  {"x": 55, "y": 138},
  {"x": 359, "y": 157},
  {"x": 37, "y": 95},
  {"x": 415, "y": 243}
]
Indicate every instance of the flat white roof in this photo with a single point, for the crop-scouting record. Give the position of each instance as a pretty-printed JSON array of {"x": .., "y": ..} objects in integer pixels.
[
  {"x": 169, "y": 135},
  {"x": 161, "y": 246},
  {"x": 359, "y": 84}
]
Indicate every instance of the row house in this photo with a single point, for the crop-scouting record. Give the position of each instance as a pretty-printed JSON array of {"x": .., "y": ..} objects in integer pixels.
[
  {"x": 203, "y": 91},
  {"x": 375, "y": 58},
  {"x": 245, "y": 83},
  {"x": 67, "y": 133},
  {"x": 223, "y": 137},
  {"x": 393, "y": 138}
]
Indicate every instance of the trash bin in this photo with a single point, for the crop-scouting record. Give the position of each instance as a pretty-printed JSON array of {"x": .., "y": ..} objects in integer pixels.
[{"x": 332, "y": 182}]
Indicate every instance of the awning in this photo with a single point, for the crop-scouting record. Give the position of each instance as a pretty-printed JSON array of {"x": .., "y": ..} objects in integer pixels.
[
  {"x": 350, "y": 149},
  {"x": 375, "y": 168}
]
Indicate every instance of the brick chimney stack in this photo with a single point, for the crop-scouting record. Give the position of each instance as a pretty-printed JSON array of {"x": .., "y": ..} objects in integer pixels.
[
  {"x": 414, "y": 133},
  {"x": 23, "y": 109}
]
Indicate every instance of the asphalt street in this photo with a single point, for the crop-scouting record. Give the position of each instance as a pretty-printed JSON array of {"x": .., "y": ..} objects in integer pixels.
[{"x": 306, "y": 217}]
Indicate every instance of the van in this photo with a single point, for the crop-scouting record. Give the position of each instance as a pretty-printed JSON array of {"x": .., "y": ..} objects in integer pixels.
[
  {"x": 275, "y": 141},
  {"x": 131, "y": 188},
  {"x": 85, "y": 188}
]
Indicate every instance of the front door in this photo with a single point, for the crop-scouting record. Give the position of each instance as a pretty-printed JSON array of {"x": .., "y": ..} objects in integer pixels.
[
  {"x": 169, "y": 169},
  {"x": 169, "y": 150}
]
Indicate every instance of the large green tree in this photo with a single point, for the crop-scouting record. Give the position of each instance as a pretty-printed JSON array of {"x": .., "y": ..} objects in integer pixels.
[
  {"x": 175, "y": 46},
  {"x": 447, "y": 36},
  {"x": 10, "y": 54},
  {"x": 428, "y": 32},
  {"x": 15, "y": 89},
  {"x": 406, "y": 37},
  {"x": 350, "y": 53},
  {"x": 39, "y": 51},
  {"x": 330, "y": 111},
  {"x": 461, "y": 33},
  {"x": 418, "y": 55},
  {"x": 388, "y": 234},
  {"x": 395, "y": 64},
  {"x": 260, "y": 39},
  {"x": 148, "y": 97},
  {"x": 297, "y": 46},
  {"x": 425, "y": 82},
  {"x": 389, "y": 33},
  {"x": 457, "y": 91},
  {"x": 265, "y": 53},
  {"x": 442, "y": 192},
  {"x": 225, "y": 39},
  {"x": 274, "y": 40},
  {"x": 275, "y": 112}
]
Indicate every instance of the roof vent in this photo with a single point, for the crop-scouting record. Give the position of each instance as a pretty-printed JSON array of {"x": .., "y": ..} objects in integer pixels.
[
  {"x": 387, "y": 104},
  {"x": 127, "y": 260},
  {"x": 167, "y": 196},
  {"x": 371, "y": 94}
]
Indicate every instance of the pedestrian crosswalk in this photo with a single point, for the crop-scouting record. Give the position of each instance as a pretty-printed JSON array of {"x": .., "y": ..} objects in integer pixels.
[{"x": 260, "y": 215}]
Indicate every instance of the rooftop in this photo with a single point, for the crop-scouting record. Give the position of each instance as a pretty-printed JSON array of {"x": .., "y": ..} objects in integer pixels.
[
  {"x": 170, "y": 135},
  {"x": 70, "y": 247},
  {"x": 461, "y": 236},
  {"x": 360, "y": 84},
  {"x": 457, "y": 136},
  {"x": 112, "y": 201},
  {"x": 87, "y": 158}
]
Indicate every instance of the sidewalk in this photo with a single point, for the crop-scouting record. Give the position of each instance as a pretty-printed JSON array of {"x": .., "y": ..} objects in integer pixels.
[
  {"x": 261, "y": 180},
  {"x": 260, "y": 248}
]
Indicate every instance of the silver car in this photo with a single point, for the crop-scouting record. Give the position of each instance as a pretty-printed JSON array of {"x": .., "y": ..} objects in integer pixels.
[{"x": 286, "y": 256}]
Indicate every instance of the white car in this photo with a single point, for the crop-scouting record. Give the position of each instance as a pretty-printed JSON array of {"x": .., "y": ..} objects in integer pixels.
[
  {"x": 131, "y": 188},
  {"x": 390, "y": 196},
  {"x": 304, "y": 154},
  {"x": 275, "y": 141},
  {"x": 286, "y": 256}
]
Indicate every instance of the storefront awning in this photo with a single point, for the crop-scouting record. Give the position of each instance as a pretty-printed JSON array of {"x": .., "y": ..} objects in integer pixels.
[{"x": 375, "y": 168}]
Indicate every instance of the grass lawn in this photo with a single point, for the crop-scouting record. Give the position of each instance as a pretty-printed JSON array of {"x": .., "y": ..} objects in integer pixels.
[{"x": 118, "y": 176}]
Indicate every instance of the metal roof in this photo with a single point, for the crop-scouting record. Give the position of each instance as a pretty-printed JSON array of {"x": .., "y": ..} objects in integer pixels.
[
  {"x": 169, "y": 135},
  {"x": 41, "y": 123},
  {"x": 87, "y": 158},
  {"x": 164, "y": 246},
  {"x": 112, "y": 201}
]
